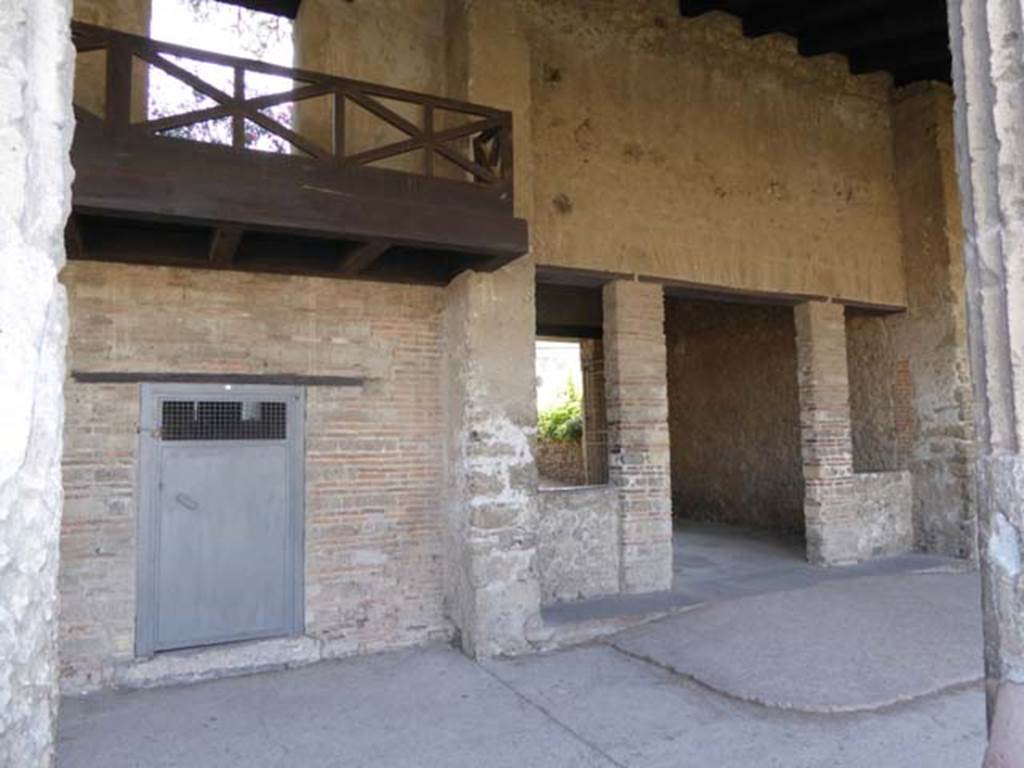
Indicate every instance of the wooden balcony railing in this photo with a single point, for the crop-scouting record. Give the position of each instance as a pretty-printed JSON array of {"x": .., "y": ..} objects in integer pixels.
[
  {"x": 475, "y": 140},
  {"x": 284, "y": 169}
]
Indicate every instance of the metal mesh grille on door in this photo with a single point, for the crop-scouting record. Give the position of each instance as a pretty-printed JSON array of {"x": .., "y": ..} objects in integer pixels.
[{"x": 223, "y": 420}]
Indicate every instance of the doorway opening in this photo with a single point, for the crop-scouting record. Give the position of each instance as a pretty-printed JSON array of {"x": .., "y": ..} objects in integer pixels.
[
  {"x": 572, "y": 432},
  {"x": 737, "y": 479}
]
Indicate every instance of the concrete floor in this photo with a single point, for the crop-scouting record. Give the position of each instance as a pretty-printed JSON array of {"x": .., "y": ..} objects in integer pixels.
[{"x": 876, "y": 669}]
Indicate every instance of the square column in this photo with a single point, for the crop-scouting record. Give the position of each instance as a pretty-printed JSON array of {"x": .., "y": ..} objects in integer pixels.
[
  {"x": 637, "y": 399},
  {"x": 986, "y": 41},
  {"x": 830, "y": 509},
  {"x": 492, "y": 588}
]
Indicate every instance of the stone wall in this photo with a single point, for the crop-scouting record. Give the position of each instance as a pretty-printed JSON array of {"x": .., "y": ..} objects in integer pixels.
[
  {"x": 578, "y": 542},
  {"x": 35, "y": 193},
  {"x": 560, "y": 462},
  {"x": 884, "y": 513},
  {"x": 492, "y": 592},
  {"x": 881, "y": 424},
  {"x": 733, "y": 414},
  {"x": 678, "y": 148},
  {"x": 374, "y": 454},
  {"x": 932, "y": 334}
]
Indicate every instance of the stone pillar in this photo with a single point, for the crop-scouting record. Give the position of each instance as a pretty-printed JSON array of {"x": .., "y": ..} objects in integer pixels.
[
  {"x": 639, "y": 460},
  {"x": 826, "y": 446},
  {"x": 492, "y": 585},
  {"x": 35, "y": 192},
  {"x": 930, "y": 338},
  {"x": 987, "y": 40}
]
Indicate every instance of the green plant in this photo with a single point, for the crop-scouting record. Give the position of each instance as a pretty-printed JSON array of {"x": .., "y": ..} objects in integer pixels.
[{"x": 563, "y": 422}]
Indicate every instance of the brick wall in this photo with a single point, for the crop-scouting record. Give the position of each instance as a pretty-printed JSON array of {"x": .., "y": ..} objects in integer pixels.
[
  {"x": 374, "y": 467},
  {"x": 733, "y": 414},
  {"x": 826, "y": 445}
]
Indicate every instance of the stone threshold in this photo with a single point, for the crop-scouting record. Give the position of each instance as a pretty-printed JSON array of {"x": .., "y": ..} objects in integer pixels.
[
  {"x": 215, "y": 662},
  {"x": 572, "y": 623}
]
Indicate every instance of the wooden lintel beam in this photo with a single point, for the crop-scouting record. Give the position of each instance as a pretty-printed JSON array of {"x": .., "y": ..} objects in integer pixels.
[
  {"x": 362, "y": 256},
  {"x": 224, "y": 244}
]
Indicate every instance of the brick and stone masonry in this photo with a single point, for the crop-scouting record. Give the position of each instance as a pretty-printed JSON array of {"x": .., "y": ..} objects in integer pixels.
[
  {"x": 638, "y": 436},
  {"x": 492, "y": 588},
  {"x": 987, "y": 40},
  {"x": 35, "y": 194},
  {"x": 826, "y": 444},
  {"x": 374, "y": 465}
]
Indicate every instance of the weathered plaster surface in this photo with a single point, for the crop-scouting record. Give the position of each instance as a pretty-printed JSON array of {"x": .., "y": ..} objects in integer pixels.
[
  {"x": 125, "y": 15},
  {"x": 734, "y": 414},
  {"x": 884, "y": 513},
  {"x": 874, "y": 410},
  {"x": 678, "y": 148},
  {"x": 35, "y": 192},
  {"x": 577, "y": 542},
  {"x": 400, "y": 43}
]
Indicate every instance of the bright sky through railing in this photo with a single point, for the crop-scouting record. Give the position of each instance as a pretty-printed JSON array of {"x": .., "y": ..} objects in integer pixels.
[{"x": 230, "y": 30}]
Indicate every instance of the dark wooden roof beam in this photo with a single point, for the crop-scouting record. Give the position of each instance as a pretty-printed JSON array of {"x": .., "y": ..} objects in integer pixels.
[
  {"x": 798, "y": 15},
  {"x": 903, "y": 55},
  {"x": 936, "y": 70},
  {"x": 694, "y": 8},
  {"x": 916, "y": 21}
]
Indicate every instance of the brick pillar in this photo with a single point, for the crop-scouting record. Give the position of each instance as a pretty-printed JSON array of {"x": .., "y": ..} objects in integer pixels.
[
  {"x": 637, "y": 400},
  {"x": 987, "y": 40},
  {"x": 826, "y": 445},
  {"x": 35, "y": 194}
]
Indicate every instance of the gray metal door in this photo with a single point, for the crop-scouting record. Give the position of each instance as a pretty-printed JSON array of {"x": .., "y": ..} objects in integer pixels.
[{"x": 220, "y": 523}]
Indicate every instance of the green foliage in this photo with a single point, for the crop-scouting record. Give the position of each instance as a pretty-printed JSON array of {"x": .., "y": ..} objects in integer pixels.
[{"x": 563, "y": 422}]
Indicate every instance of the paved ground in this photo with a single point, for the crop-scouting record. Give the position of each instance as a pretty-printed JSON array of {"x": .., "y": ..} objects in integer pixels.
[{"x": 743, "y": 681}]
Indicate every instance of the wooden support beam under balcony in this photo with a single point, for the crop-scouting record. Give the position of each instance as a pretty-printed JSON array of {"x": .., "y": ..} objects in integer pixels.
[{"x": 241, "y": 171}]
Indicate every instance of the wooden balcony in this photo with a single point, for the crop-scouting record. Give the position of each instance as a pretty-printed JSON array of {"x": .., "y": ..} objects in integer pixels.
[{"x": 269, "y": 168}]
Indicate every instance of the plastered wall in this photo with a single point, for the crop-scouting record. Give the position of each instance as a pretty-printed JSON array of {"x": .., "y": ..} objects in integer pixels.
[
  {"x": 668, "y": 147},
  {"x": 733, "y": 414},
  {"x": 679, "y": 149},
  {"x": 374, "y": 453}
]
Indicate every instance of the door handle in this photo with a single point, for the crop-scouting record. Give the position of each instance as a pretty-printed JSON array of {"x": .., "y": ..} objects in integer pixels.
[{"x": 187, "y": 501}]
